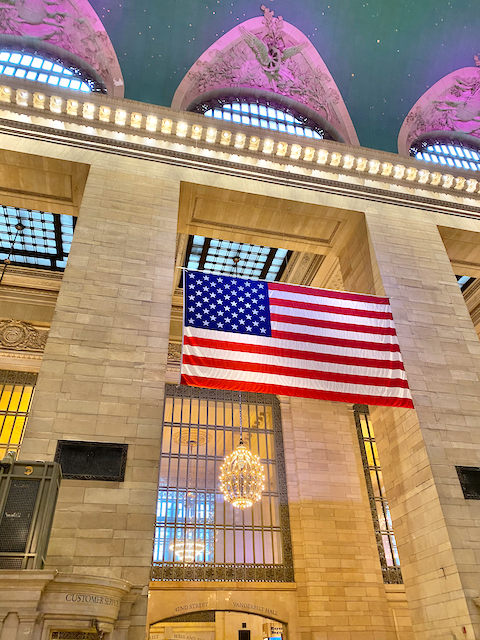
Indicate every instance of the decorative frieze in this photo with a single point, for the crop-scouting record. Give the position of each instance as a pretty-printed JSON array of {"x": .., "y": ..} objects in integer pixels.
[{"x": 21, "y": 336}]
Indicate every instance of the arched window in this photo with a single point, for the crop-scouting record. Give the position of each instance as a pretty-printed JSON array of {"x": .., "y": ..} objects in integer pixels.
[
  {"x": 265, "y": 113},
  {"x": 198, "y": 535},
  {"x": 448, "y": 151},
  {"x": 43, "y": 67}
]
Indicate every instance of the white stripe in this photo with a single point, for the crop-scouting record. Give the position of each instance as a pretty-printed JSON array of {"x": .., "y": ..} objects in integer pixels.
[
  {"x": 333, "y": 333},
  {"x": 225, "y": 336},
  {"x": 331, "y": 317},
  {"x": 292, "y": 363},
  {"x": 288, "y": 381},
  {"x": 330, "y": 302}
]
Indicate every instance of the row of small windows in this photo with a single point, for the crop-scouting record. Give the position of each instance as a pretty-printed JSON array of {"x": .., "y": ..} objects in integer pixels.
[
  {"x": 41, "y": 69},
  {"x": 265, "y": 117},
  {"x": 450, "y": 155}
]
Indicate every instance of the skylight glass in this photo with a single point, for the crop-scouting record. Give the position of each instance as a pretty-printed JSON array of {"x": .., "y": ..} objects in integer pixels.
[
  {"x": 464, "y": 282},
  {"x": 217, "y": 256},
  {"x": 44, "y": 242},
  {"x": 265, "y": 116},
  {"x": 448, "y": 155},
  {"x": 41, "y": 69}
]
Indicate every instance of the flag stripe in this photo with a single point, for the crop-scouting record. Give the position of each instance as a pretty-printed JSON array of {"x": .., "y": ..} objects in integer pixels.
[
  {"x": 271, "y": 349},
  {"x": 281, "y": 334},
  {"x": 344, "y": 311},
  {"x": 271, "y": 346},
  {"x": 276, "y": 389},
  {"x": 332, "y": 317},
  {"x": 326, "y": 293},
  {"x": 239, "y": 364},
  {"x": 341, "y": 326}
]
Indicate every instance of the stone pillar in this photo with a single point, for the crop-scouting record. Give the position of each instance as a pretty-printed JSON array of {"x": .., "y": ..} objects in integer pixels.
[
  {"x": 103, "y": 372},
  {"x": 337, "y": 568},
  {"x": 436, "y": 528}
]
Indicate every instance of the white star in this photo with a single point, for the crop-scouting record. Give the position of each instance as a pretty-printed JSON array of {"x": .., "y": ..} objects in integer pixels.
[
  {"x": 191, "y": 309},
  {"x": 263, "y": 330},
  {"x": 220, "y": 325},
  {"x": 191, "y": 320},
  {"x": 235, "y": 315},
  {"x": 206, "y": 300},
  {"x": 249, "y": 328},
  {"x": 255, "y": 311},
  {"x": 191, "y": 297},
  {"x": 220, "y": 313},
  {"x": 262, "y": 318},
  {"x": 255, "y": 324},
  {"x": 198, "y": 315},
  {"x": 261, "y": 297},
  {"x": 227, "y": 320},
  {"x": 227, "y": 297},
  {"x": 241, "y": 299},
  {"x": 248, "y": 305},
  {"x": 191, "y": 286},
  {"x": 248, "y": 294},
  {"x": 206, "y": 323},
  {"x": 242, "y": 321},
  {"x": 234, "y": 326},
  {"x": 262, "y": 307},
  {"x": 249, "y": 317}
]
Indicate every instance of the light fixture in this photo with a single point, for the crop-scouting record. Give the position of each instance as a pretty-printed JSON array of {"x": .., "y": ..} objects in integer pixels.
[
  {"x": 19, "y": 228},
  {"x": 187, "y": 548},
  {"x": 242, "y": 478}
]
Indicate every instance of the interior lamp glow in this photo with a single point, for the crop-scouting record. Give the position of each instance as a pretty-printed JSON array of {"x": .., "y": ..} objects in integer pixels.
[
  {"x": 242, "y": 478},
  {"x": 187, "y": 550}
]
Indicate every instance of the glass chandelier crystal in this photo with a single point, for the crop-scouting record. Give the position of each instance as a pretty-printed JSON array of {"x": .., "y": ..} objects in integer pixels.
[{"x": 241, "y": 475}]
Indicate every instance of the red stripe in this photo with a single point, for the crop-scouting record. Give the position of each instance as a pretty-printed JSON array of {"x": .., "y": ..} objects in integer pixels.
[
  {"x": 327, "y": 324},
  {"x": 322, "y": 308},
  {"x": 292, "y": 353},
  {"x": 307, "y": 374},
  {"x": 352, "y": 398},
  {"x": 325, "y": 293},
  {"x": 337, "y": 342}
]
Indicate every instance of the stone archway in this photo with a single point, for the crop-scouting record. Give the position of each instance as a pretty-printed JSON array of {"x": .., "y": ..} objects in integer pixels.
[{"x": 275, "y": 601}]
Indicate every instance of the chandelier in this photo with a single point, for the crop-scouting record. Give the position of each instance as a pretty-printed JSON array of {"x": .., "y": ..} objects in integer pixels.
[
  {"x": 242, "y": 479},
  {"x": 186, "y": 550}
]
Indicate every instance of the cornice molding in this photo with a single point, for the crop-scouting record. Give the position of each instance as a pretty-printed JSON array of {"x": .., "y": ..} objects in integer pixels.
[{"x": 159, "y": 134}]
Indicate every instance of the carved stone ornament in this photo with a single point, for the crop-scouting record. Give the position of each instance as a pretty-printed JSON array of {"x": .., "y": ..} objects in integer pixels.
[
  {"x": 71, "y": 25},
  {"x": 452, "y": 104},
  {"x": 271, "y": 55},
  {"x": 174, "y": 352},
  {"x": 21, "y": 336}
]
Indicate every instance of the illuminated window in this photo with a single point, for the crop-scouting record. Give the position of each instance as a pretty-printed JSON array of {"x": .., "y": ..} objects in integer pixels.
[
  {"x": 267, "y": 115},
  {"x": 464, "y": 282},
  {"x": 44, "y": 241},
  {"x": 216, "y": 256},
  {"x": 43, "y": 68},
  {"x": 16, "y": 392},
  {"x": 198, "y": 535},
  {"x": 448, "y": 153},
  {"x": 382, "y": 522}
]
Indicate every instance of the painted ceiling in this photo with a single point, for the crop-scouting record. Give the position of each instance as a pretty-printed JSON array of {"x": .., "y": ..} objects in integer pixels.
[{"x": 382, "y": 54}]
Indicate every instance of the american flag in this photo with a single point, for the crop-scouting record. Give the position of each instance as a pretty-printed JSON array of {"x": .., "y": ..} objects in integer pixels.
[{"x": 271, "y": 337}]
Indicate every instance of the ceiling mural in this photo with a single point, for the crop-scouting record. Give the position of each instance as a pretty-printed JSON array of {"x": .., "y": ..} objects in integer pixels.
[
  {"x": 269, "y": 54},
  {"x": 382, "y": 56},
  {"x": 452, "y": 104},
  {"x": 71, "y": 25}
]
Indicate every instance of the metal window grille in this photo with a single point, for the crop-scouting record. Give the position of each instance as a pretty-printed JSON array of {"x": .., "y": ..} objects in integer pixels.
[
  {"x": 216, "y": 256},
  {"x": 198, "y": 535},
  {"x": 16, "y": 393},
  {"x": 382, "y": 522},
  {"x": 44, "y": 241}
]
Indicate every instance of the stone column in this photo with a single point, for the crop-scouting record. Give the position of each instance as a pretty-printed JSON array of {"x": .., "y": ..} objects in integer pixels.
[
  {"x": 103, "y": 372},
  {"x": 340, "y": 587},
  {"x": 436, "y": 528}
]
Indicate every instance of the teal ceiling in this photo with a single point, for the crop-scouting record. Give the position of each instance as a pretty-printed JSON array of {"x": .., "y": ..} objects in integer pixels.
[{"x": 382, "y": 54}]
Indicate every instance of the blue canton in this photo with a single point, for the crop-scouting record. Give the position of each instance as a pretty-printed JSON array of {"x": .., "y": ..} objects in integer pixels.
[{"x": 224, "y": 303}]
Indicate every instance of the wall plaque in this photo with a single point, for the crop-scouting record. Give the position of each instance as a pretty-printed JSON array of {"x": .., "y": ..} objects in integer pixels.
[
  {"x": 92, "y": 460},
  {"x": 470, "y": 482}
]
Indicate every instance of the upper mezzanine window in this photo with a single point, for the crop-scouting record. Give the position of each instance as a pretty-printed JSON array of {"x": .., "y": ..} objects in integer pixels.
[
  {"x": 264, "y": 114},
  {"x": 448, "y": 153},
  {"x": 42, "y": 68}
]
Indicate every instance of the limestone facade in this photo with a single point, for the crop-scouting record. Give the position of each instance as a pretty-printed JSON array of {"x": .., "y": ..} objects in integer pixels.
[{"x": 104, "y": 366}]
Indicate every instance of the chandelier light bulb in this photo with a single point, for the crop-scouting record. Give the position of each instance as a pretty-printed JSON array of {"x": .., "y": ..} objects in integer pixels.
[{"x": 242, "y": 478}]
